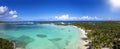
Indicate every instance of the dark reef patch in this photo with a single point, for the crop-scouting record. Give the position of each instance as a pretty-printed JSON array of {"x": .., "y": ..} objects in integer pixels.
[
  {"x": 41, "y": 35},
  {"x": 55, "y": 39},
  {"x": 22, "y": 41}
]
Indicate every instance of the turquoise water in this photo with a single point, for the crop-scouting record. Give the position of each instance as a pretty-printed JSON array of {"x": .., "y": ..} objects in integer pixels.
[{"x": 41, "y": 36}]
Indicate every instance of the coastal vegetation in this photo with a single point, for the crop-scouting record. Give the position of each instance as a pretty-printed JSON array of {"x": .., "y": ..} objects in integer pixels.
[
  {"x": 5, "y": 44},
  {"x": 102, "y": 34}
]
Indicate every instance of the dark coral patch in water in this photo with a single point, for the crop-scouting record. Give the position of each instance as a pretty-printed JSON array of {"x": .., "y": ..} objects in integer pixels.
[
  {"x": 22, "y": 41},
  {"x": 55, "y": 39},
  {"x": 41, "y": 35}
]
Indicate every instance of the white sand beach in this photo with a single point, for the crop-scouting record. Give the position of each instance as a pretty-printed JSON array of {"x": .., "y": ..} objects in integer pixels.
[{"x": 82, "y": 41}]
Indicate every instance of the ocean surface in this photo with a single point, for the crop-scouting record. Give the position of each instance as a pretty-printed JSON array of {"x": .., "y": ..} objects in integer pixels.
[{"x": 41, "y": 36}]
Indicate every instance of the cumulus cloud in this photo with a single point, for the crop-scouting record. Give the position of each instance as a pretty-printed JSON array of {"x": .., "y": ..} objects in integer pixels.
[
  {"x": 14, "y": 16},
  {"x": 67, "y": 17},
  {"x": 64, "y": 17},
  {"x": 115, "y": 4},
  {"x": 89, "y": 18},
  {"x": 3, "y": 10},
  {"x": 6, "y": 14},
  {"x": 12, "y": 12}
]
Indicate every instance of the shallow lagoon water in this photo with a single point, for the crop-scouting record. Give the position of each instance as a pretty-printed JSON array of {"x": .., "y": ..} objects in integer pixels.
[{"x": 41, "y": 36}]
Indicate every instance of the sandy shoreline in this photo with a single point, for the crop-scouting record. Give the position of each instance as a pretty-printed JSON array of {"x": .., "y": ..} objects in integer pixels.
[{"x": 82, "y": 41}]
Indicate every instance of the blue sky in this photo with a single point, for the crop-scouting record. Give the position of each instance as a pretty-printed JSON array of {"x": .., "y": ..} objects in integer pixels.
[{"x": 52, "y": 10}]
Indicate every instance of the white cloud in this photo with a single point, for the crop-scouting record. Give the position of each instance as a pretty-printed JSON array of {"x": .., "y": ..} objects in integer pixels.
[
  {"x": 89, "y": 18},
  {"x": 3, "y": 10},
  {"x": 14, "y": 16},
  {"x": 115, "y": 4},
  {"x": 67, "y": 17},
  {"x": 64, "y": 17},
  {"x": 6, "y": 14},
  {"x": 12, "y": 12}
]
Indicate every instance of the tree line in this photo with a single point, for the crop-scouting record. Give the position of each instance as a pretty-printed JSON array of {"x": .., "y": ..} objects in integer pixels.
[
  {"x": 5, "y": 44},
  {"x": 102, "y": 34}
]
